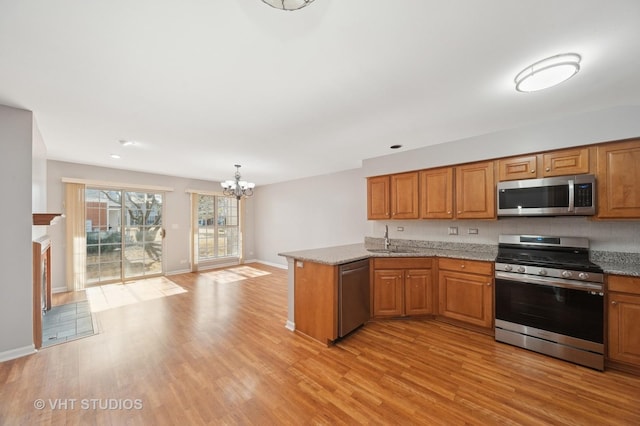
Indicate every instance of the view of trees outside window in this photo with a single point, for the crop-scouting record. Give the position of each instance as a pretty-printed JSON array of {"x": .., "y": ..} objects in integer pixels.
[
  {"x": 218, "y": 230},
  {"x": 124, "y": 234}
]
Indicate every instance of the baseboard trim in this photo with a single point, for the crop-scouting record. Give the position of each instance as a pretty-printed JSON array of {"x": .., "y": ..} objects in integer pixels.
[
  {"x": 275, "y": 265},
  {"x": 17, "y": 353},
  {"x": 290, "y": 325},
  {"x": 178, "y": 272}
]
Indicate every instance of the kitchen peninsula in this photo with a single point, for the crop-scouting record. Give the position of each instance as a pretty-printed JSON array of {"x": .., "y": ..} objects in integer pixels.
[
  {"x": 313, "y": 281},
  {"x": 452, "y": 282}
]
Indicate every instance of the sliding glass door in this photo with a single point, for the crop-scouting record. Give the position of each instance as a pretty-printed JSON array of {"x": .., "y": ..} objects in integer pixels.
[{"x": 124, "y": 234}]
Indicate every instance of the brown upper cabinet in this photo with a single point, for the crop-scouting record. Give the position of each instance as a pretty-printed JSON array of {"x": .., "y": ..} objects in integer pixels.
[
  {"x": 554, "y": 163},
  {"x": 378, "y": 197},
  {"x": 618, "y": 176},
  {"x": 474, "y": 196},
  {"x": 404, "y": 196},
  {"x": 475, "y": 191},
  {"x": 393, "y": 196},
  {"x": 436, "y": 193}
]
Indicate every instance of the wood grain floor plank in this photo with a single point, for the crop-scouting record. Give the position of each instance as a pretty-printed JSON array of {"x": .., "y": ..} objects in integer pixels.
[{"x": 219, "y": 353}]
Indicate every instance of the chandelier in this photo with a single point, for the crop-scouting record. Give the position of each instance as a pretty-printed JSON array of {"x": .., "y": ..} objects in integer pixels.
[
  {"x": 237, "y": 188},
  {"x": 288, "y": 4}
]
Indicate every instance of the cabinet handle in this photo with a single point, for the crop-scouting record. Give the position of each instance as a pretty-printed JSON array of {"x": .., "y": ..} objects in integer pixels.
[
  {"x": 548, "y": 169},
  {"x": 533, "y": 171},
  {"x": 459, "y": 211},
  {"x": 462, "y": 266},
  {"x": 488, "y": 283},
  {"x": 449, "y": 212},
  {"x": 613, "y": 302}
]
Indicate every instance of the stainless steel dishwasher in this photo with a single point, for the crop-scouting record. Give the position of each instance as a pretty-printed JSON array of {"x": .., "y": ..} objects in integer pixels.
[{"x": 353, "y": 296}]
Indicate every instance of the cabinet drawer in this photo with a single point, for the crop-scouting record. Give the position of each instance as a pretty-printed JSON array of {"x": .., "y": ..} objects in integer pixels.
[
  {"x": 463, "y": 265},
  {"x": 623, "y": 284},
  {"x": 402, "y": 263}
]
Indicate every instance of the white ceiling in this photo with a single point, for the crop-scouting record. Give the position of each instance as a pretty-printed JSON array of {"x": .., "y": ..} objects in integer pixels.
[{"x": 205, "y": 84}]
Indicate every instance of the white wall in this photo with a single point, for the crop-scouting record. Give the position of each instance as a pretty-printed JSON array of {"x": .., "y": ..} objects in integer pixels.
[
  {"x": 38, "y": 179},
  {"x": 310, "y": 213},
  {"x": 582, "y": 129},
  {"x": 177, "y": 210},
  {"x": 16, "y": 323}
]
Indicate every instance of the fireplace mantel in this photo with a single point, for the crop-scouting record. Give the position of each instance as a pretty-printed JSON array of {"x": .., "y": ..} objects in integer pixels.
[{"x": 45, "y": 218}]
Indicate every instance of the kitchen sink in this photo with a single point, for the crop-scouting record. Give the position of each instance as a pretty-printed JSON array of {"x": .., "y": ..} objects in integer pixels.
[{"x": 390, "y": 251}]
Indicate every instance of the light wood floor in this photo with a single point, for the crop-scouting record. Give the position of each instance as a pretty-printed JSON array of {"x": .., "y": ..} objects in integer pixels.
[{"x": 220, "y": 354}]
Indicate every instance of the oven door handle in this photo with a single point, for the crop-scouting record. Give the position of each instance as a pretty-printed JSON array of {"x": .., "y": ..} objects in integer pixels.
[{"x": 556, "y": 282}]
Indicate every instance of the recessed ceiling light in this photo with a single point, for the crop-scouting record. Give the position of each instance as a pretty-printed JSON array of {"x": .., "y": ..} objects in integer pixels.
[
  {"x": 395, "y": 146},
  {"x": 548, "y": 72},
  {"x": 115, "y": 156},
  {"x": 127, "y": 143}
]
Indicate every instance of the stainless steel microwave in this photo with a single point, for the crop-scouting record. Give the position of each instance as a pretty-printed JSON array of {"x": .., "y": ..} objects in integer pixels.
[{"x": 555, "y": 196}]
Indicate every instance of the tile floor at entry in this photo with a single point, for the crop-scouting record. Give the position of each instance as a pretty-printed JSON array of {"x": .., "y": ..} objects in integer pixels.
[{"x": 67, "y": 322}]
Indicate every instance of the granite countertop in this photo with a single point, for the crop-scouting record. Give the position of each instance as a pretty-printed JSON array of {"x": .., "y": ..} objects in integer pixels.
[
  {"x": 611, "y": 262},
  {"x": 338, "y": 255},
  {"x": 617, "y": 262}
]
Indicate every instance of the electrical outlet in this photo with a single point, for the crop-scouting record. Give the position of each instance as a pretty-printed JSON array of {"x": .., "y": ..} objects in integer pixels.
[
  {"x": 400, "y": 228},
  {"x": 473, "y": 231},
  {"x": 453, "y": 230}
]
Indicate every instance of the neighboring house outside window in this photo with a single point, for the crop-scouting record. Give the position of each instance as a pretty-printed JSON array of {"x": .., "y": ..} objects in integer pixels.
[{"x": 217, "y": 228}]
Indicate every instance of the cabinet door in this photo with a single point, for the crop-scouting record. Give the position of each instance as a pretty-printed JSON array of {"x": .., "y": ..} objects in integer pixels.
[
  {"x": 466, "y": 297},
  {"x": 565, "y": 162},
  {"x": 387, "y": 293},
  {"x": 316, "y": 300},
  {"x": 418, "y": 292},
  {"x": 618, "y": 175},
  {"x": 475, "y": 191},
  {"x": 624, "y": 317},
  {"x": 404, "y": 196},
  {"x": 517, "y": 168},
  {"x": 436, "y": 193},
  {"x": 378, "y": 197}
]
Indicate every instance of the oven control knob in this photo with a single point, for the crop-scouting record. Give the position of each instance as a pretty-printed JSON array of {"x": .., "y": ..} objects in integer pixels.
[
  {"x": 521, "y": 269},
  {"x": 508, "y": 268},
  {"x": 542, "y": 272},
  {"x": 583, "y": 275},
  {"x": 566, "y": 274}
]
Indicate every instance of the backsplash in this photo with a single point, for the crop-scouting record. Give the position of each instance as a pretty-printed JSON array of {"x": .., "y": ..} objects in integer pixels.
[{"x": 606, "y": 236}]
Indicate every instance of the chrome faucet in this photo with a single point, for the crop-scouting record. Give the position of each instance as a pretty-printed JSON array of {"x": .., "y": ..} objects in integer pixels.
[{"x": 387, "y": 243}]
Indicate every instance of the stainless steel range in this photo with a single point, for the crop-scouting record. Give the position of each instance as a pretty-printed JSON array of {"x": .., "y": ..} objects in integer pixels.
[{"x": 549, "y": 298}]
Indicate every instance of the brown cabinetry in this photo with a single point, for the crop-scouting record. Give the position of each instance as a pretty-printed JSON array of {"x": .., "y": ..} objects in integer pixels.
[
  {"x": 316, "y": 300},
  {"x": 475, "y": 191},
  {"x": 393, "y": 196},
  {"x": 618, "y": 175},
  {"x": 563, "y": 162},
  {"x": 624, "y": 319},
  {"x": 402, "y": 287},
  {"x": 378, "y": 197},
  {"x": 436, "y": 193},
  {"x": 465, "y": 291},
  {"x": 404, "y": 196}
]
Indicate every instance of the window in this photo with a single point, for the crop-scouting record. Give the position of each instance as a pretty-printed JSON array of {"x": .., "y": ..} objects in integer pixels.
[{"x": 218, "y": 232}]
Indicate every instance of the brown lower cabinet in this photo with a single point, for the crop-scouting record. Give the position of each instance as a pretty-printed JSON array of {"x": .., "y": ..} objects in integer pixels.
[
  {"x": 624, "y": 320},
  {"x": 402, "y": 287},
  {"x": 465, "y": 291}
]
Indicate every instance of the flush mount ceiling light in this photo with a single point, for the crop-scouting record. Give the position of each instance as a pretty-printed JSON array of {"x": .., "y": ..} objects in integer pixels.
[
  {"x": 237, "y": 188},
  {"x": 288, "y": 4},
  {"x": 548, "y": 72}
]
